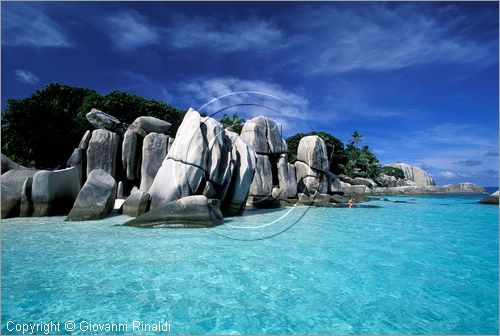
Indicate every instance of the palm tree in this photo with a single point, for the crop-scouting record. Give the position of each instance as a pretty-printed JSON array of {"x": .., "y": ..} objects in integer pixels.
[
  {"x": 233, "y": 123},
  {"x": 356, "y": 138}
]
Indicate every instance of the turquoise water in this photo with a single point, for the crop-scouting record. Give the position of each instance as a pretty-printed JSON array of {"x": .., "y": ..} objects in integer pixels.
[{"x": 429, "y": 266}]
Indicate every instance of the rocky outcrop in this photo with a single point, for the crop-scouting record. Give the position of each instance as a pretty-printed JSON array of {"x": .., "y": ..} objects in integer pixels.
[
  {"x": 312, "y": 165},
  {"x": 264, "y": 136},
  {"x": 154, "y": 150},
  {"x": 105, "y": 121},
  {"x": 130, "y": 157},
  {"x": 96, "y": 199},
  {"x": 190, "y": 211},
  {"x": 200, "y": 162},
  {"x": 460, "y": 188},
  {"x": 415, "y": 174},
  {"x": 491, "y": 199},
  {"x": 102, "y": 151},
  {"x": 287, "y": 177},
  {"x": 146, "y": 125},
  {"x": 11, "y": 187},
  {"x": 262, "y": 183},
  {"x": 391, "y": 181},
  {"x": 26, "y": 208},
  {"x": 8, "y": 164},
  {"x": 78, "y": 159},
  {"x": 368, "y": 182},
  {"x": 136, "y": 204},
  {"x": 54, "y": 192}
]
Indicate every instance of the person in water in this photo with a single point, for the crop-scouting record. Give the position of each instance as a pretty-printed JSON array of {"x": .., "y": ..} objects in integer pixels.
[{"x": 351, "y": 202}]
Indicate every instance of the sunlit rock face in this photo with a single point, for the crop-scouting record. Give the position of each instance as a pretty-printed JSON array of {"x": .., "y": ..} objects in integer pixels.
[{"x": 415, "y": 174}]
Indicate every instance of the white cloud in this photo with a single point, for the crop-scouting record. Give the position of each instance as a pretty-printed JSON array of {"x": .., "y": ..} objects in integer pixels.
[
  {"x": 24, "y": 25},
  {"x": 390, "y": 38},
  {"x": 228, "y": 36},
  {"x": 248, "y": 98},
  {"x": 130, "y": 30},
  {"x": 25, "y": 76}
]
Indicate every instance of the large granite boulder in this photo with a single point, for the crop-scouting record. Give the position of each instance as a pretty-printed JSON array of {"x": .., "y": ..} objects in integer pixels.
[
  {"x": 102, "y": 120},
  {"x": 154, "y": 150},
  {"x": 465, "y": 187},
  {"x": 26, "y": 208},
  {"x": 287, "y": 177},
  {"x": 368, "y": 182},
  {"x": 415, "y": 174},
  {"x": 54, "y": 192},
  {"x": 312, "y": 151},
  {"x": 190, "y": 211},
  {"x": 8, "y": 164},
  {"x": 146, "y": 125},
  {"x": 491, "y": 199},
  {"x": 84, "y": 142},
  {"x": 96, "y": 199},
  {"x": 264, "y": 136},
  {"x": 136, "y": 204},
  {"x": 243, "y": 169},
  {"x": 11, "y": 187},
  {"x": 130, "y": 155},
  {"x": 262, "y": 184},
  {"x": 102, "y": 151},
  {"x": 78, "y": 160}
]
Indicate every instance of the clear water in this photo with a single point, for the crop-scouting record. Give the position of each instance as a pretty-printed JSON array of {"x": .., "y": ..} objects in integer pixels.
[{"x": 429, "y": 266}]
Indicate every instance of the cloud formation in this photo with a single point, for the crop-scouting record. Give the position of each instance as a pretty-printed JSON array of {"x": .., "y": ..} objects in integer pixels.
[
  {"x": 468, "y": 163},
  {"x": 27, "y": 26},
  {"x": 129, "y": 30},
  {"x": 25, "y": 76}
]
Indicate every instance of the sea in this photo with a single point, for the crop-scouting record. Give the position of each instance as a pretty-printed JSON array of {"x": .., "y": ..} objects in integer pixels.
[{"x": 403, "y": 265}]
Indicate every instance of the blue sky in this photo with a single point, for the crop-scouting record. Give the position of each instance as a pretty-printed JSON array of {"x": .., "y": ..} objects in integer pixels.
[{"x": 418, "y": 80}]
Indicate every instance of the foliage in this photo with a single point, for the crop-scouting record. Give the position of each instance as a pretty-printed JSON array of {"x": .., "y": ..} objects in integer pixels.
[
  {"x": 355, "y": 139},
  {"x": 393, "y": 171},
  {"x": 233, "y": 123},
  {"x": 43, "y": 129}
]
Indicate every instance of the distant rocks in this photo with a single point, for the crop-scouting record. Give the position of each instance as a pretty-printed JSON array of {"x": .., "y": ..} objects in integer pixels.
[
  {"x": 491, "y": 199},
  {"x": 460, "y": 188},
  {"x": 96, "y": 199},
  {"x": 190, "y": 211},
  {"x": 415, "y": 174}
]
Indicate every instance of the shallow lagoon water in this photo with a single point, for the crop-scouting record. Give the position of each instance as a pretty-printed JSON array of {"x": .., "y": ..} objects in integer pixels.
[{"x": 428, "y": 266}]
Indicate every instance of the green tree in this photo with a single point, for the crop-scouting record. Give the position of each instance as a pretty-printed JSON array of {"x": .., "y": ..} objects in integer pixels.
[
  {"x": 355, "y": 138},
  {"x": 233, "y": 123},
  {"x": 393, "y": 171}
]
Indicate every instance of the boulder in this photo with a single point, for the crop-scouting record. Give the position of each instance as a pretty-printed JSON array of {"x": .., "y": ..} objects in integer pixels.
[
  {"x": 262, "y": 184},
  {"x": 130, "y": 157},
  {"x": 191, "y": 211},
  {"x": 355, "y": 190},
  {"x": 26, "y": 208},
  {"x": 8, "y": 164},
  {"x": 335, "y": 185},
  {"x": 415, "y": 174},
  {"x": 243, "y": 170},
  {"x": 312, "y": 151},
  {"x": 491, "y": 199},
  {"x": 136, "y": 204},
  {"x": 11, "y": 187},
  {"x": 77, "y": 159},
  {"x": 287, "y": 177},
  {"x": 146, "y": 125},
  {"x": 102, "y": 120},
  {"x": 466, "y": 187},
  {"x": 364, "y": 181},
  {"x": 84, "y": 143},
  {"x": 154, "y": 150},
  {"x": 264, "y": 202},
  {"x": 96, "y": 199},
  {"x": 54, "y": 192},
  {"x": 303, "y": 199},
  {"x": 102, "y": 152},
  {"x": 264, "y": 136},
  {"x": 119, "y": 190}
]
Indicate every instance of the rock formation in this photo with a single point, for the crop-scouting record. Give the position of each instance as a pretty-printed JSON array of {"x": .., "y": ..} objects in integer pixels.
[
  {"x": 54, "y": 192},
  {"x": 311, "y": 166},
  {"x": 8, "y": 164},
  {"x": 491, "y": 199},
  {"x": 415, "y": 174},
  {"x": 102, "y": 120},
  {"x": 11, "y": 184},
  {"x": 136, "y": 204},
  {"x": 96, "y": 199},
  {"x": 102, "y": 151}
]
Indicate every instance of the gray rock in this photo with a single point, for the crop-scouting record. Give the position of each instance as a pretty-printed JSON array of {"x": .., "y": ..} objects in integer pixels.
[
  {"x": 303, "y": 170},
  {"x": 355, "y": 190},
  {"x": 218, "y": 151},
  {"x": 130, "y": 157},
  {"x": 26, "y": 208},
  {"x": 364, "y": 181},
  {"x": 415, "y": 174},
  {"x": 335, "y": 185},
  {"x": 243, "y": 170},
  {"x": 287, "y": 177},
  {"x": 466, "y": 187},
  {"x": 460, "y": 188},
  {"x": 136, "y": 204},
  {"x": 170, "y": 143},
  {"x": 8, "y": 164},
  {"x": 191, "y": 211},
  {"x": 339, "y": 199},
  {"x": 102, "y": 152},
  {"x": 262, "y": 184},
  {"x": 308, "y": 185},
  {"x": 96, "y": 199},
  {"x": 54, "y": 192},
  {"x": 491, "y": 199},
  {"x": 11, "y": 188},
  {"x": 312, "y": 151},
  {"x": 264, "y": 202},
  {"x": 303, "y": 199},
  {"x": 84, "y": 143},
  {"x": 264, "y": 136},
  {"x": 102, "y": 120},
  {"x": 146, "y": 125},
  {"x": 78, "y": 160},
  {"x": 154, "y": 150},
  {"x": 119, "y": 190}
]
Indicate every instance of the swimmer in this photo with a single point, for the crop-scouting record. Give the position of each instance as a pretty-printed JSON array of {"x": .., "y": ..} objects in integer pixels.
[{"x": 351, "y": 202}]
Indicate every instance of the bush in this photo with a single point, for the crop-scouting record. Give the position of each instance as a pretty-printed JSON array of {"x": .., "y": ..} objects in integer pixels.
[{"x": 393, "y": 171}]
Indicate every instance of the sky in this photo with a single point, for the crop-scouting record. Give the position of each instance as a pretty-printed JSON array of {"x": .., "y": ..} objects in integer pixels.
[{"x": 419, "y": 80}]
